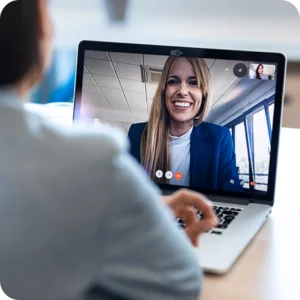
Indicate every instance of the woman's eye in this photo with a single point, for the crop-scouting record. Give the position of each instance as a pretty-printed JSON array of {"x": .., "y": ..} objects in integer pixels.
[
  {"x": 173, "y": 82},
  {"x": 193, "y": 82}
]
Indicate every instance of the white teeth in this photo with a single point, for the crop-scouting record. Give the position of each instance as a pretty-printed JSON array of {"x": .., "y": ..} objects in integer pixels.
[{"x": 182, "y": 104}]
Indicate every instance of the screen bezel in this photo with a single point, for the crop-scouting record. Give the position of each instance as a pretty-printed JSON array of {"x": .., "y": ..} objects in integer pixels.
[{"x": 265, "y": 57}]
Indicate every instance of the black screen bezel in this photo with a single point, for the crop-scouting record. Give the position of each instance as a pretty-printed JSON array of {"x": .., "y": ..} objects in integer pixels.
[{"x": 266, "y": 57}]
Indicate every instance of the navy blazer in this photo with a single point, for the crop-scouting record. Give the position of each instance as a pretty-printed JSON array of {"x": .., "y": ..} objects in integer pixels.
[{"x": 212, "y": 157}]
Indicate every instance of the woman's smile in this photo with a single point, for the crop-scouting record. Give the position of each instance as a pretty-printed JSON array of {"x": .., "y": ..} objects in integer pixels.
[{"x": 182, "y": 105}]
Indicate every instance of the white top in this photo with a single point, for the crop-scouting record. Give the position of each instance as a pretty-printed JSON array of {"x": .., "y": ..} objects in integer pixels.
[
  {"x": 180, "y": 158},
  {"x": 77, "y": 210}
]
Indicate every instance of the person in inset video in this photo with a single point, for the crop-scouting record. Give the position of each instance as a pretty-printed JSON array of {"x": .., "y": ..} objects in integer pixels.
[
  {"x": 259, "y": 73},
  {"x": 177, "y": 139}
]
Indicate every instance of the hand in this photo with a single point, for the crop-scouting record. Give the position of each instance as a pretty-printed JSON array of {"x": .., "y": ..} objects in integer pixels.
[{"x": 185, "y": 205}]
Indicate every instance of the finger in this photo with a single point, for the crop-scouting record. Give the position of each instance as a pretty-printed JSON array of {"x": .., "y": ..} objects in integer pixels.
[
  {"x": 189, "y": 216},
  {"x": 195, "y": 241},
  {"x": 199, "y": 227},
  {"x": 194, "y": 227},
  {"x": 187, "y": 197}
]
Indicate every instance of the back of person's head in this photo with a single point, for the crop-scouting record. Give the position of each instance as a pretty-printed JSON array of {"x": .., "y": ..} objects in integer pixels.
[{"x": 22, "y": 41}]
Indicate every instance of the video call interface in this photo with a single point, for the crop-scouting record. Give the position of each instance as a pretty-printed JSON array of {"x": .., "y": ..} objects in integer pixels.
[{"x": 194, "y": 122}]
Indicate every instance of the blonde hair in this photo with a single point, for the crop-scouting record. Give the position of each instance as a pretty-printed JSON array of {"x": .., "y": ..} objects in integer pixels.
[{"x": 155, "y": 141}]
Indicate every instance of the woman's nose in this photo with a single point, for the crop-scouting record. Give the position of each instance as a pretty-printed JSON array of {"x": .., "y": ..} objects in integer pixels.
[{"x": 183, "y": 90}]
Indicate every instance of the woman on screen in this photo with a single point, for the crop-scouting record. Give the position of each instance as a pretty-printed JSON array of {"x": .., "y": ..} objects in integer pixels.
[
  {"x": 176, "y": 139},
  {"x": 260, "y": 73}
]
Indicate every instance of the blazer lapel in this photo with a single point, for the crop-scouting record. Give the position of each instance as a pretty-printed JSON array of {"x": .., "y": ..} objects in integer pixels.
[{"x": 201, "y": 153}]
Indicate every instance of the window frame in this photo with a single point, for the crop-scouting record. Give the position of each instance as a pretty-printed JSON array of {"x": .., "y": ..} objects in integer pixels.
[{"x": 244, "y": 118}]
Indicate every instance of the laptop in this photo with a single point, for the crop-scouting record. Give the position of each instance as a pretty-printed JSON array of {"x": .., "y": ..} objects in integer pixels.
[{"x": 204, "y": 119}]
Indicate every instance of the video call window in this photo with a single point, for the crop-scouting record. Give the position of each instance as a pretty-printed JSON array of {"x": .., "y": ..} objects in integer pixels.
[
  {"x": 262, "y": 71},
  {"x": 122, "y": 90}
]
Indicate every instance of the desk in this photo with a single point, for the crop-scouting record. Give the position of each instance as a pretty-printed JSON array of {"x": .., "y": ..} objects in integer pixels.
[{"x": 269, "y": 269}]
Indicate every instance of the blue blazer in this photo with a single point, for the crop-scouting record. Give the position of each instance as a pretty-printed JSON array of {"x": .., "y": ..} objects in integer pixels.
[{"x": 212, "y": 158}]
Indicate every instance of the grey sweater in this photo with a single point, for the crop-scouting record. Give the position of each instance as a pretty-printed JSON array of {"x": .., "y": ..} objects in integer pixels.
[{"x": 79, "y": 218}]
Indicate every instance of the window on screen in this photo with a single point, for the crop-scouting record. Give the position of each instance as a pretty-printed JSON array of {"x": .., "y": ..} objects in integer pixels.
[
  {"x": 261, "y": 150},
  {"x": 271, "y": 113},
  {"x": 242, "y": 153}
]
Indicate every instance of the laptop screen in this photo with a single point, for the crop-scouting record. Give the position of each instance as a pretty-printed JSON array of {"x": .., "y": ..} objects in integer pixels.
[{"x": 198, "y": 122}]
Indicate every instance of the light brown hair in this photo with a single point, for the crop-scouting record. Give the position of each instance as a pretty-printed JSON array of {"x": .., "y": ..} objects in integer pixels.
[{"x": 155, "y": 141}]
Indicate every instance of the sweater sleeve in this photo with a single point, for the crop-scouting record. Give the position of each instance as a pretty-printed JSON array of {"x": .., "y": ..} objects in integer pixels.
[{"x": 145, "y": 255}]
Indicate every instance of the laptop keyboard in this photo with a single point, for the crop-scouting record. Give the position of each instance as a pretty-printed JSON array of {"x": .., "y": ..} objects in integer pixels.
[{"x": 225, "y": 215}]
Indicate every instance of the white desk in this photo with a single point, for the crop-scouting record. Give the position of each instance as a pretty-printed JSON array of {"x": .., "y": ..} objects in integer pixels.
[{"x": 269, "y": 269}]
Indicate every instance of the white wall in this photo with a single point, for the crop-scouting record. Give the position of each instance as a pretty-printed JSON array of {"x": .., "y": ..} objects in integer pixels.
[{"x": 265, "y": 25}]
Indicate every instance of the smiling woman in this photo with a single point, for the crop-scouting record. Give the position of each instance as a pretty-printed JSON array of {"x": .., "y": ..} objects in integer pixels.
[{"x": 176, "y": 140}]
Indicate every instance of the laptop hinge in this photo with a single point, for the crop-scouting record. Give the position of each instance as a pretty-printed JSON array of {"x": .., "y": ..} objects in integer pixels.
[
  {"x": 228, "y": 199},
  {"x": 216, "y": 198}
]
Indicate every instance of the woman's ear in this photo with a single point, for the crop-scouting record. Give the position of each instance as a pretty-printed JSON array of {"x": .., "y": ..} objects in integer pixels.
[
  {"x": 45, "y": 33},
  {"x": 41, "y": 17},
  {"x": 45, "y": 29}
]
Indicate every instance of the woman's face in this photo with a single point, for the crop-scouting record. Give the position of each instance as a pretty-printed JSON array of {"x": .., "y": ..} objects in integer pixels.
[
  {"x": 183, "y": 96},
  {"x": 260, "y": 69}
]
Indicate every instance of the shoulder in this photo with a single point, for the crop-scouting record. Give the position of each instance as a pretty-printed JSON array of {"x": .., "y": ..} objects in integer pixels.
[
  {"x": 86, "y": 144},
  {"x": 137, "y": 128},
  {"x": 214, "y": 129},
  {"x": 211, "y": 133}
]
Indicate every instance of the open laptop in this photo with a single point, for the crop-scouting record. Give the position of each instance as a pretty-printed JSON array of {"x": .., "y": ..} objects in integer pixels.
[{"x": 230, "y": 154}]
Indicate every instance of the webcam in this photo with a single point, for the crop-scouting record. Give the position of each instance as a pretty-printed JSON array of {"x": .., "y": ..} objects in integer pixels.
[{"x": 176, "y": 52}]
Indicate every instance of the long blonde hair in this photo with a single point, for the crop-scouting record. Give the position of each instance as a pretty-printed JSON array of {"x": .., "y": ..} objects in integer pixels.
[{"x": 155, "y": 141}]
